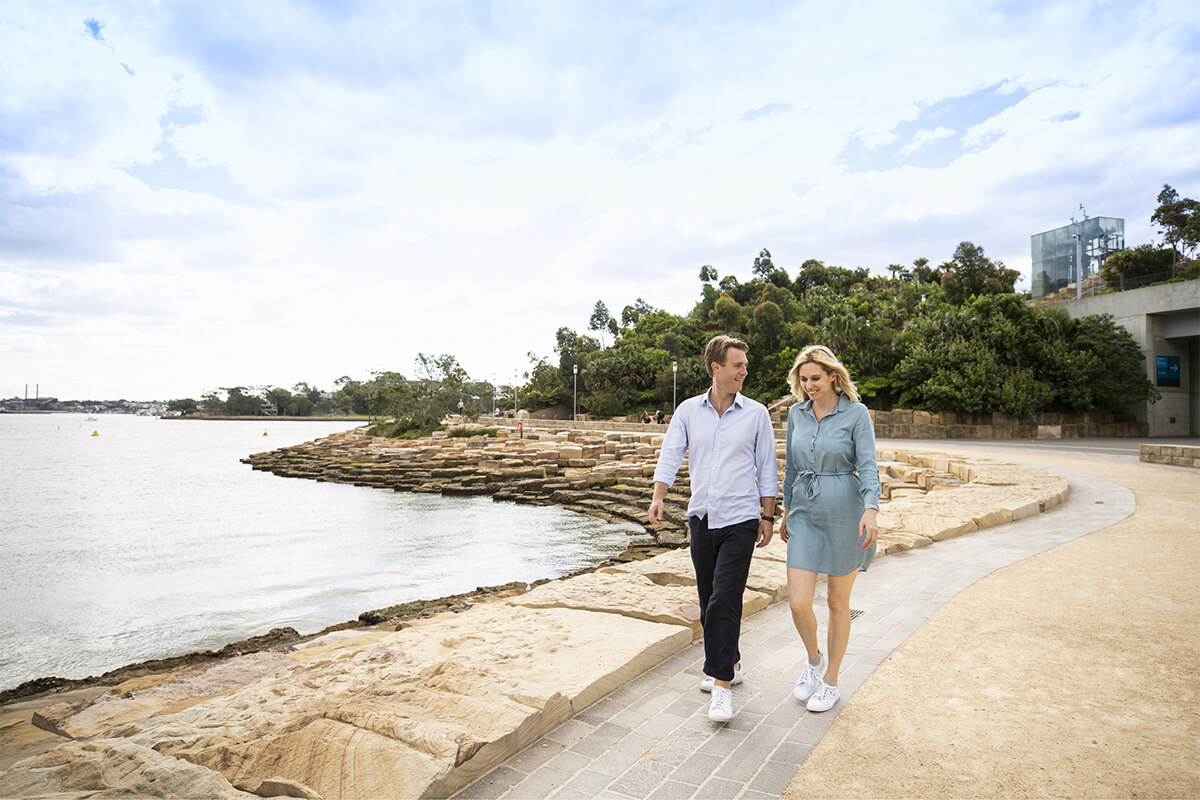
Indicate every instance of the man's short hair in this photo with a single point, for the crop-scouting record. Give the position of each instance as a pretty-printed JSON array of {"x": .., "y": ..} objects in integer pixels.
[{"x": 718, "y": 347}]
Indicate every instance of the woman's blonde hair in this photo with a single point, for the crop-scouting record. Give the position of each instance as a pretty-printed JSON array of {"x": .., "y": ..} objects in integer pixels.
[{"x": 823, "y": 357}]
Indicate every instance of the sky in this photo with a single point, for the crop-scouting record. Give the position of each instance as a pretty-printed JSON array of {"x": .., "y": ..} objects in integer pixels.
[{"x": 205, "y": 194}]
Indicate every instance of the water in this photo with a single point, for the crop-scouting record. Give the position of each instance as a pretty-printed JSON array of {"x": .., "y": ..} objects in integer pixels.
[{"x": 152, "y": 540}]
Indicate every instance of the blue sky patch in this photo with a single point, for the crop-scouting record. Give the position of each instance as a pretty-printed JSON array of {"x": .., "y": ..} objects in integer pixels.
[
  {"x": 172, "y": 171},
  {"x": 935, "y": 138},
  {"x": 96, "y": 28}
]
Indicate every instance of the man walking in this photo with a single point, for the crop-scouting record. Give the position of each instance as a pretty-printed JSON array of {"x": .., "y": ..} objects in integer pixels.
[{"x": 730, "y": 445}]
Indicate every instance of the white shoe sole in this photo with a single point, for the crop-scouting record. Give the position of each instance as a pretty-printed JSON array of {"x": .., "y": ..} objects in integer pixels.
[
  {"x": 719, "y": 717},
  {"x": 820, "y": 707}
]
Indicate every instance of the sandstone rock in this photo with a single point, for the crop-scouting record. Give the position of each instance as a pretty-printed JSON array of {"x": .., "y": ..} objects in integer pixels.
[
  {"x": 421, "y": 713},
  {"x": 669, "y": 569},
  {"x": 628, "y": 594},
  {"x": 143, "y": 697},
  {"x": 111, "y": 768}
]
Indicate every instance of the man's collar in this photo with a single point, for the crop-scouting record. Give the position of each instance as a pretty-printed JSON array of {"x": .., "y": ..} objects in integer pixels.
[{"x": 738, "y": 399}]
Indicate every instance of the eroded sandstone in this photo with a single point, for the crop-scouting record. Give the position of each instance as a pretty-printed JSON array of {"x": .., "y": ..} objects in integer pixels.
[{"x": 428, "y": 708}]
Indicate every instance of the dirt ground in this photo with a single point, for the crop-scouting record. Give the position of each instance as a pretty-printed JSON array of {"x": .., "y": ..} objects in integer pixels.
[{"x": 1075, "y": 673}]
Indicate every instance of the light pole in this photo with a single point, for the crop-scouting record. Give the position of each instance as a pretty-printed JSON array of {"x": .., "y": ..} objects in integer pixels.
[
  {"x": 515, "y": 375},
  {"x": 674, "y": 382},
  {"x": 575, "y": 402},
  {"x": 493, "y": 395}
]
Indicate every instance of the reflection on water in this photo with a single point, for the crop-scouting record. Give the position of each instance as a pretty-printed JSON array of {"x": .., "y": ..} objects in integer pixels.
[{"x": 152, "y": 540}]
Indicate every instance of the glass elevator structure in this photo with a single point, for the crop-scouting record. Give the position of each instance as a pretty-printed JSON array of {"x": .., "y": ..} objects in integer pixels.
[{"x": 1054, "y": 252}]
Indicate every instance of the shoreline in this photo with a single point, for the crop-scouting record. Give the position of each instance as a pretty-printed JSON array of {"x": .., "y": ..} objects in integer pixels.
[
  {"x": 425, "y": 698},
  {"x": 397, "y": 615},
  {"x": 205, "y": 418},
  {"x": 611, "y": 481}
]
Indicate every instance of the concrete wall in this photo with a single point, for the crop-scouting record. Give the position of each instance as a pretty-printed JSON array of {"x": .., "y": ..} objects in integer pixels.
[{"x": 1164, "y": 321}]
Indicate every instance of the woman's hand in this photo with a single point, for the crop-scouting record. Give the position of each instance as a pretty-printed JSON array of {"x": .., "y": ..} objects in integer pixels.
[
  {"x": 783, "y": 531},
  {"x": 868, "y": 527}
]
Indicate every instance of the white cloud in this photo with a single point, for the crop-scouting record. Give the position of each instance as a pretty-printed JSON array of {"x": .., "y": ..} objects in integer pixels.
[
  {"x": 924, "y": 137},
  {"x": 441, "y": 178}
]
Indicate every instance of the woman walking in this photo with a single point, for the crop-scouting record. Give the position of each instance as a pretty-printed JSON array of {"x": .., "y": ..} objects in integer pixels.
[{"x": 830, "y": 502}]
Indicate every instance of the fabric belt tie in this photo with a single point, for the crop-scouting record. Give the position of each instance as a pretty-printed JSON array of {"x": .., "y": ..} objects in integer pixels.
[{"x": 812, "y": 486}]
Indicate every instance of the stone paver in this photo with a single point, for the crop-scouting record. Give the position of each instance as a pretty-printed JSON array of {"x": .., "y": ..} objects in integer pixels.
[{"x": 652, "y": 738}]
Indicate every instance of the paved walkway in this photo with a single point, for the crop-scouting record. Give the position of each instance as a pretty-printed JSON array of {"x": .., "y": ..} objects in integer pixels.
[{"x": 652, "y": 737}]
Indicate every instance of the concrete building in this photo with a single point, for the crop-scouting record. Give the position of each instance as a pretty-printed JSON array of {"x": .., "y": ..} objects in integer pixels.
[{"x": 1165, "y": 322}]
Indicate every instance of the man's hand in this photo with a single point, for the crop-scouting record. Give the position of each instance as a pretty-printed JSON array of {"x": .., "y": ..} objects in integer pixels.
[
  {"x": 766, "y": 529},
  {"x": 656, "y": 511}
]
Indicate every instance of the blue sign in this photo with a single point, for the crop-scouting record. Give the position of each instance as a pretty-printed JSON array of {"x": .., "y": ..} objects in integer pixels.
[{"x": 1168, "y": 370}]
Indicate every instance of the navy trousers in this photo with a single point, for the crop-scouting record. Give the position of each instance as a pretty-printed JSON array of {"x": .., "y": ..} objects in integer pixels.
[{"x": 721, "y": 557}]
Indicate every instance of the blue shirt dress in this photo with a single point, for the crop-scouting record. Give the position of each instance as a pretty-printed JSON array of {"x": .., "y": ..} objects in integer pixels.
[{"x": 830, "y": 478}]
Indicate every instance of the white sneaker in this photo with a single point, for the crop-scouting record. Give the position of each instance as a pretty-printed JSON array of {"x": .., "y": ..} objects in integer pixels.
[
  {"x": 810, "y": 680},
  {"x": 721, "y": 707},
  {"x": 823, "y": 699},
  {"x": 709, "y": 681}
]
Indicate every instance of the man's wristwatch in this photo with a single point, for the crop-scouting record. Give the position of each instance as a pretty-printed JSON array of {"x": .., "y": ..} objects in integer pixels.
[{"x": 766, "y": 518}]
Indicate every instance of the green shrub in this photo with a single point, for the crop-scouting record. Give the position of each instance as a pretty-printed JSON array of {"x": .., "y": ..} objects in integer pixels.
[
  {"x": 459, "y": 433},
  {"x": 401, "y": 429}
]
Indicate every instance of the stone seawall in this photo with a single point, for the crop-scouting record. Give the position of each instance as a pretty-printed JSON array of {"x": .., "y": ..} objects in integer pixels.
[
  {"x": 1179, "y": 455},
  {"x": 421, "y": 708}
]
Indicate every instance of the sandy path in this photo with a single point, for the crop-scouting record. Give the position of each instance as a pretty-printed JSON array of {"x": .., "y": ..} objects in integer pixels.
[{"x": 1075, "y": 673}]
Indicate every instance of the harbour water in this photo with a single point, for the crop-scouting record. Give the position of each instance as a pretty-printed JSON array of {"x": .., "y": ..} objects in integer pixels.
[{"x": 150, "y": 539}]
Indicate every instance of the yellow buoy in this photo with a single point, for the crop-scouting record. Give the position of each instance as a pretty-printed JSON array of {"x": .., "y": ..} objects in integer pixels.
[
  {"x": 95, "y": 433},
  {"x": 264, "y": 433}
]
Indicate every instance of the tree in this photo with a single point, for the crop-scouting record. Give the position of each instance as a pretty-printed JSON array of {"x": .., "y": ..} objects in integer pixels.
[
  {"x": 923, "y": 273},
  {"x": 239, "y": 403},
  {"x": 812, "y": 273},
  {"x": 185, "y": 405},
  {"x": 571, "y": 349},
  {"x": 727, "y": 313},
  {"x": 212, "y": 403},
  {"x": 1179, "y": 221},
  {"x": 601, "y": 320},
  {"x": 708, "y": 274},
  {"x": 763, "y": 266},
  {"x": 1142, "y": 261},
  {"x": 543, "y": 385},
  {"x": 280, "y": 398},
  {"x": 970, "y": 273},
  {"x": 1098, "y": 365},
  {"x": 396, "y": 400},
  {"x": 631, "y": 314}
]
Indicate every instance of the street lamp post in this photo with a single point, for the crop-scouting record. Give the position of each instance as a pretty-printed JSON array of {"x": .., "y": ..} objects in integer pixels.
[
  {"x": 674, "y": 382},
  {"x": 575, "y": 401}
]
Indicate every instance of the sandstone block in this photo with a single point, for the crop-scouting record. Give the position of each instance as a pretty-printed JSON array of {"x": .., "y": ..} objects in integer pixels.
[
  {"x": 1049, "y": 431},
  {"x": 633, "y": 595},
  {"x": 111, "y": 768},
  {"x": 668, "y": 569},
  {"x": 143, "y": 697},
  {"x": 421, "y": 713}
]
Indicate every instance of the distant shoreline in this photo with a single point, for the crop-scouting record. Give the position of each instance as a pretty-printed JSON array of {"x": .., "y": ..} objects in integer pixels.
[{"x": 356, "y": 418}]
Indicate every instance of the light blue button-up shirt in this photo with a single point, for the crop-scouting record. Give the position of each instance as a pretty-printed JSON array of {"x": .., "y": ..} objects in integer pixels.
[{"x": 731, "y": 458}]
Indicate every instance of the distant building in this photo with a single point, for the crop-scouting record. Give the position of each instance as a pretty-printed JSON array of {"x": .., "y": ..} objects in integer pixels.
[
  {"x": 1165, "y": 322},
  {"x": 1053, "y": 252}
]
